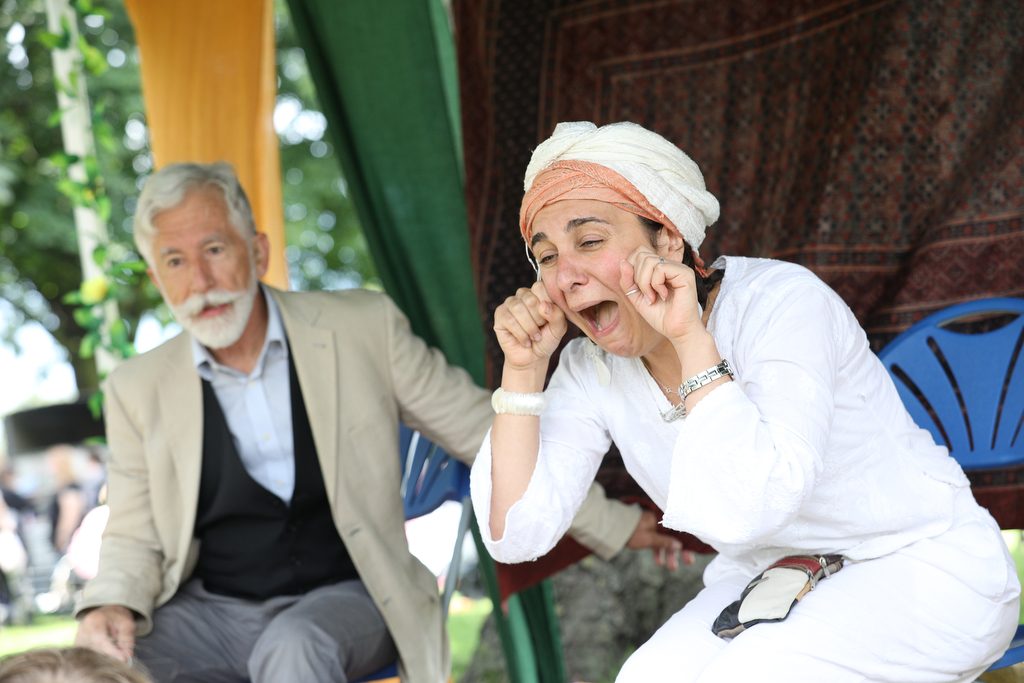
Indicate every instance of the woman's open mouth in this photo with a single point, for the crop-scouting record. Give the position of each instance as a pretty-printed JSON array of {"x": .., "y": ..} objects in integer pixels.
[{"x": 601, "y": 318}]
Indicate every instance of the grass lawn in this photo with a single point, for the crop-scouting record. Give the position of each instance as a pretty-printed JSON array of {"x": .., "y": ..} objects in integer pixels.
[
  {"x": 465, "y": 620},
  {"x": 46, "y": 630}
]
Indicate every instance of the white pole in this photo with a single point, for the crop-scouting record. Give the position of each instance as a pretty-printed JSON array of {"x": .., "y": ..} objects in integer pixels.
[{"x": 76, "y": 129}]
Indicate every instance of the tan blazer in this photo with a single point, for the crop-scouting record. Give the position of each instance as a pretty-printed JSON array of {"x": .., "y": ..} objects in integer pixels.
[{"x": 361, "y": 371}]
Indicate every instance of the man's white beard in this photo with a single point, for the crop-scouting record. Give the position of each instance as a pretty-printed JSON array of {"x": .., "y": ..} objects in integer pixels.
[{"x": 225, "y": 329}]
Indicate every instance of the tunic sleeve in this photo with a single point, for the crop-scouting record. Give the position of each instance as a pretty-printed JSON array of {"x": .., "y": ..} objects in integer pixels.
[
  {"x": 573, "y": 443},
  {"x": 749, "y": 453}
]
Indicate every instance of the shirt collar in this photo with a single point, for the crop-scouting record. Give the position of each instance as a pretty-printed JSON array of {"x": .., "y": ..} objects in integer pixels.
[{"x": 274, "y": 344}]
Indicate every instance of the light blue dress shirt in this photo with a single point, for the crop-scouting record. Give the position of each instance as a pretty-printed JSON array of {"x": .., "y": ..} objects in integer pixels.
[{"x": 258, "y": 407}]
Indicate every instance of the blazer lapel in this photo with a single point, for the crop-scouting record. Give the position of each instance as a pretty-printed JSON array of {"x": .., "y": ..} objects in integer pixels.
[
  {"x": 181, "y": 409},
  {"x": 313, "y": 351}
]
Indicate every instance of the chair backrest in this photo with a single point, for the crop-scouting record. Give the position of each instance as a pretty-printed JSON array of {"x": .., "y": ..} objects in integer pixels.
[
  {"x": 964, "y": 382},
  {"x": 429, "y": 475}
]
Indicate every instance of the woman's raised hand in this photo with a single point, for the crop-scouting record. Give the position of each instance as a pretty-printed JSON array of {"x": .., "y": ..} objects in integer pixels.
[
  {"x": 529, "y": 327},
  {"x": 663, "y": 291}
]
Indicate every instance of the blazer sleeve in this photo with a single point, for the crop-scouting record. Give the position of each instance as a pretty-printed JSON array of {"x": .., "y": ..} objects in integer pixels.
[{"x": 129, "y": 571}]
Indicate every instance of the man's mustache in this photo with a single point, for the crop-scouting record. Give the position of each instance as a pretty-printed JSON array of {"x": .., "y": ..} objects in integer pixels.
[{"x": 194, "y": 305}]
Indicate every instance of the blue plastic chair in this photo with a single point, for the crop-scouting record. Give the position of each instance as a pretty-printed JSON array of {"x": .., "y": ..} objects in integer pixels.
[
  {"x": 967, "y": 389},
  {"x": 430, "y": 477}
]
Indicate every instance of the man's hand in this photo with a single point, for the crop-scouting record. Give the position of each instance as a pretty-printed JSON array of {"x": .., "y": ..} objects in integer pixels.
[
  {"x": 109, "y": 629},
  {"x": 666, "y": 549}
]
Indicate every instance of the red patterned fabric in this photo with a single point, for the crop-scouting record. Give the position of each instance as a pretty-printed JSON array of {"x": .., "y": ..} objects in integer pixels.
[{"x": 879, "y": 143}]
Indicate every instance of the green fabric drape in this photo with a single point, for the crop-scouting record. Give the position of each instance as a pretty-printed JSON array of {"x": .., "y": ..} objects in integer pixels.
[
  {"x": 380, "y": 72},
  {"x": 386, "y": 78}
]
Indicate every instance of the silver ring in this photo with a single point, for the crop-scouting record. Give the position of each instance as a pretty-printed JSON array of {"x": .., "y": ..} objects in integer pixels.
[
  {"x": 661, "y": 259},
  {"x": 633, "y": 291}
]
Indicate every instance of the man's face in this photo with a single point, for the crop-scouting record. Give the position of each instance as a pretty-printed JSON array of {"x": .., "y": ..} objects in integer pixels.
[{"x": 205, "y": 270}]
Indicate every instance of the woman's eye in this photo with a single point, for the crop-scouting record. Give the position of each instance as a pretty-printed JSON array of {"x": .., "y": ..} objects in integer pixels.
[
  {"x": 590, "y": 243},
  {"x": 546, "y": 259}
]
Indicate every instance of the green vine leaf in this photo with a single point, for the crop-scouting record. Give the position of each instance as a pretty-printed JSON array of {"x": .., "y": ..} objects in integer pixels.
[
  {"x": 86, "y": 318},
  {"x": 92, "y": 59},
  {"x": 54, "y": 41},
  {"x": 89, "y": 343},
  {"x": 95, "y": 403},
  {"x": 103, "y": 208},
  {"x": 134, "y": 266},
  {"x": 63, "y": 160},
  {"x": 92, "y": 168},
  {"x": 118, "y": 333}
]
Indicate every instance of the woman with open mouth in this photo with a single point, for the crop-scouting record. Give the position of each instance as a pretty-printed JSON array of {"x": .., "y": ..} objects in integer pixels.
[{"x": 747, "y": 404}]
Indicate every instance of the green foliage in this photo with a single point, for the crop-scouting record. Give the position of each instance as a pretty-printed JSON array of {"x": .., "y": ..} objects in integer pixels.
[
  {"x": 326, "y": 249},
  {"x": 92, "y": 308},
  {"x": 39, "y": 260},
  {"x": 39, "y": 263}
]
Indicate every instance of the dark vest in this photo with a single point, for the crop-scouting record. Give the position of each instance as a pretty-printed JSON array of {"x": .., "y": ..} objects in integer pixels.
[{"x": 252, "y": 544}]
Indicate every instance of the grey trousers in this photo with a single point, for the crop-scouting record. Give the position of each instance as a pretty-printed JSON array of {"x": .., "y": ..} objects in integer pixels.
[{"x": 334, "y": 633}]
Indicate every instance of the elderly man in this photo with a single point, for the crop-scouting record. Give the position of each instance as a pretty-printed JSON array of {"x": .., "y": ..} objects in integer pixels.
[{"x": 255, "y": 528}]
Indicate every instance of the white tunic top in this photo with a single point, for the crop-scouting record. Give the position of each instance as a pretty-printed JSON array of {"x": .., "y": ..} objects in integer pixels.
[{"x": 808, "y": 450}]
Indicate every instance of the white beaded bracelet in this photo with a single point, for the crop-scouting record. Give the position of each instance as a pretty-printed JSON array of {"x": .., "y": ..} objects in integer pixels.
[{"x": 514, "y": 403}]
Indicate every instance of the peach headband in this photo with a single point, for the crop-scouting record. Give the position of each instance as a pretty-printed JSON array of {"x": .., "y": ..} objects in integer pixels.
[{"x": 564, "y": 180}]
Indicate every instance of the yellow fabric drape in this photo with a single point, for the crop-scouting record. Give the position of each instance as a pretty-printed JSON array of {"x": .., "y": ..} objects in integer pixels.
[{"x": 209, "y": 85}]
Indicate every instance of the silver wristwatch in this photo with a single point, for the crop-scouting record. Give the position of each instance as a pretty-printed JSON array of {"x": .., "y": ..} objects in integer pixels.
[{"x": 704, "y": 378}]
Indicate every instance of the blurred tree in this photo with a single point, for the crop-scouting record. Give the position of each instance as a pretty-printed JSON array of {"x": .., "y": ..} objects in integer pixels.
[
  {"x": 38, "y": 251},
  {"x": 326, "y": 248},
  {"x": 39, "y": 263}
]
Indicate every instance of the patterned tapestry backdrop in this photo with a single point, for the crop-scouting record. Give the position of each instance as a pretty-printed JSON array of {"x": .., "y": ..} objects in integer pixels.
[{"x": 879, "y": 143}]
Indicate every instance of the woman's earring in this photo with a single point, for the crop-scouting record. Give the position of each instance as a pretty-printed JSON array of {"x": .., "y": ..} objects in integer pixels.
[{"x": 533, "y": 263}]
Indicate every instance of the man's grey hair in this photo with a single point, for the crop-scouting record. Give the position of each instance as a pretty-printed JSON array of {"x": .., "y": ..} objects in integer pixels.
[{"x": 166, "y": 189}]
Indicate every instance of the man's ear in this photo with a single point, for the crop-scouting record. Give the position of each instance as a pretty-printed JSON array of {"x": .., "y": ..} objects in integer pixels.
[
  {"x": 261, "y": 254},
  {"x": 152, "y": 278}
]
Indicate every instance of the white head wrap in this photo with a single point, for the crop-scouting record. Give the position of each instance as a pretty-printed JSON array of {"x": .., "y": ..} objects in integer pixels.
[{"x": 663, "y": 173}]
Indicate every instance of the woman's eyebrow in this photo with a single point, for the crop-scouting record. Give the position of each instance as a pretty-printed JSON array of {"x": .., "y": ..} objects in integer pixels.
[
  {"x": 583, "y": 220},
  {"x": 572, "y": 224}
]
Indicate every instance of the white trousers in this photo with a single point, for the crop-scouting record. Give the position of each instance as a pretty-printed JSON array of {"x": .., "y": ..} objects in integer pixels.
[{"x": 939, "y": 610}]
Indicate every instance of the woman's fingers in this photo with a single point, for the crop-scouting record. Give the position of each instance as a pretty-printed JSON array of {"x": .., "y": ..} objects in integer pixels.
[
  {"x": 520, "y": 316},
  {"x": 528, "y": 326},
  {"x": 552, "y": 314},
  {"x": 656, "y": 276},
  {"x": 627, "y": 280},
  {"x": 649, "y": 274}
]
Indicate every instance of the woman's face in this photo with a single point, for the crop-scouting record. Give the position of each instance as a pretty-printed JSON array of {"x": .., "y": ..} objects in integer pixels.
[{"x": 579, "y": 245}]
